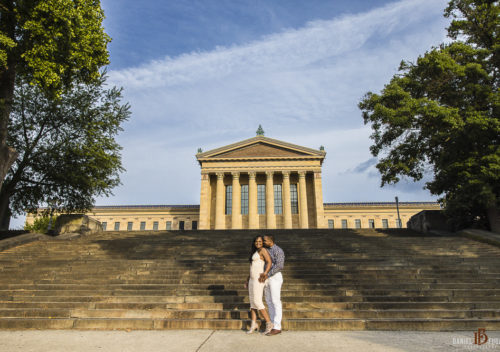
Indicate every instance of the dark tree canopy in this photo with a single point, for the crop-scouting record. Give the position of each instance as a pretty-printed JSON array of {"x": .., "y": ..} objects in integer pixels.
[
  {"x": 440, "y": 116},
  {"x": 67, "y": 149}
]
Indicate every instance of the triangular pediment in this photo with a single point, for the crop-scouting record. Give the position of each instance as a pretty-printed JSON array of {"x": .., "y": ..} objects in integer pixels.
[
  {"x": 260, "y": 147},
  {"x": 259, "y": 150}
]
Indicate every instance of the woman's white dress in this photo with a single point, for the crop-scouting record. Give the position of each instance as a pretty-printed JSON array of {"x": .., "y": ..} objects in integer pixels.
[{"x": 256, "y": 288}]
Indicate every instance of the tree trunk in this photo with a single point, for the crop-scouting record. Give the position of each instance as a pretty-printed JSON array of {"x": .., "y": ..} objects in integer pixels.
[
  {"x": 7, "y": 158},
  {"x": 7, "y": 78},
  {"x": 494, "y": 218},
  {"x": 5, "y": 212},
  {"x": 5, "y": 221}
]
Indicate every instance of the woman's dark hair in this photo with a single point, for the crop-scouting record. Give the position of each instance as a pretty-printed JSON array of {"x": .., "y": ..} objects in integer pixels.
[{"x": 254, "y": 249}]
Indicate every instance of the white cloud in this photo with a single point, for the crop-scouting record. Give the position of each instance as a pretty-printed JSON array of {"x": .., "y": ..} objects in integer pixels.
[
  {"x": 280, "y": 52},
  {"x": 302, "y": 85}
]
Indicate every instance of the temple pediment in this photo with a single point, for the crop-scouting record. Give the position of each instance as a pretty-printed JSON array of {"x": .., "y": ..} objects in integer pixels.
[
  {"x": 261, "y": 147},
  {"x": 259, "y": 150}
]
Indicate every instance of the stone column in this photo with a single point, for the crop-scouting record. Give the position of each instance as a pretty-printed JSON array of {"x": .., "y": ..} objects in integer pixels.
[
  {"x": 304, "y": 220},
  {"x": 270, "y": 216},
  {"x": 287, "y": 205},
  {"x": 220, "y": 217},
  {"x": 318, "y": 198},
  {"x": 253, "y": 218},
  {"x": 236, "y": 210},
  {"x": 205, "y": 202}
]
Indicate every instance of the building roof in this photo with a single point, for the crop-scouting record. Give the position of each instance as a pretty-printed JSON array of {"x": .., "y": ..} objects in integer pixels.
[
  {"x": 386, "y": 204},
  {"x": 147, "y": 206},
  {"x": 196, "y": 206},
  {"x": 260, "y": 147}
]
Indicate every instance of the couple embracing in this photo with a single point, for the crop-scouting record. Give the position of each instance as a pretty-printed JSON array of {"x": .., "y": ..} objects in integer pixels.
[{"x": 266, "y": 262}]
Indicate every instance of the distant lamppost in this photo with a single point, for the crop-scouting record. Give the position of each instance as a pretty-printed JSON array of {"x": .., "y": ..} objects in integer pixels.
[{"x": 397, "y": 209}]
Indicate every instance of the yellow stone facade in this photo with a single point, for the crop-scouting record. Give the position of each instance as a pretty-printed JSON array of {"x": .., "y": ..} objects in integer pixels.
[
  {"x": 264, "y": 163},
  {"x": 258, "y": 183},
  {"x": 373, "y": 215},
  {"x": 147, "y": 217}
]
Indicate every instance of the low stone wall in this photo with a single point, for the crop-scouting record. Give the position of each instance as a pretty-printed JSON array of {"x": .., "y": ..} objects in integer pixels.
[
  {"x": 430, "y": 220},
  {"x": 76, "y": 223},
  {"x": 481, "y": 236}
]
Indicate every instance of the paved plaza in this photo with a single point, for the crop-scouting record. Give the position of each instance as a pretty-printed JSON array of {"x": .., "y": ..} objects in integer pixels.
[{"x": 224, "y": 340}]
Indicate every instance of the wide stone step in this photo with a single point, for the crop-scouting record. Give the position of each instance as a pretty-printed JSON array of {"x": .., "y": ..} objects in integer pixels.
[
  {"x": 461, "y": 273},
  {"x": 294, "y": 306},
  {"x": 318, "y": 271},
  {"x": 185, "y": 291},
  {"x": 240, "y": 299},
  {"x": 352, "y": 259},
  {"x": 393, "y": 324},
  {"x": 238, "y": 324},
  {"x": 122, "y": 279},
  {"x": 159, "y": 313},
  {"x": 237, "y": 267},
  {"x": 286, "y": 286},
  {"x": 136, "y": 306},
  {"x": 436, "y": 305},
  {"x": 212, "y": 280}
]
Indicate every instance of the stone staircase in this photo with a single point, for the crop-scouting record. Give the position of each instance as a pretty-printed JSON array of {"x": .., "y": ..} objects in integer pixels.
[{"x": 333, "y": 280}]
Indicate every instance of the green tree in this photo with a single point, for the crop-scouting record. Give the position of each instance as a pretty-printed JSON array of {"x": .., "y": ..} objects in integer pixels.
[
  {"x": 67, "y": 149},
  {"x": 41, "y": 224},
  {"x": 51, "y": 43},
  {"x": 440, "y": 116}
]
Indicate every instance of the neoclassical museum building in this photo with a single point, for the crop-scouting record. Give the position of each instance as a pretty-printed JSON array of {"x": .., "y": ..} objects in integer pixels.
[{"x": 259, "y": 183}]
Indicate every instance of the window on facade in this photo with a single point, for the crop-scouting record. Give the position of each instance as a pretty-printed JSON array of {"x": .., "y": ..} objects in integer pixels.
[
  {"x": 229, "y": 199},
  {"x": 278, "y": 202},
  {"x": 117, "y": 226},
  {"x": 357, "y": 223},
  {"x": 398, "y": 223},
  {"x": 385, "y": 223},
  {"x": 344, "y": 223},
  {"x": 261, "y": 199},
  {"x": 371, "y": 223},
  {"x": 194, "y": 225},
  {"x": 155, "y": 226},
  {"x": 169, "y": 225},
  {"x": 181, "y": 225},
  {"x": 143, "y": 225},
  {"x": 294, "y": 200},
  {"x": 104, "y": 225},
  {"x": 244, "y": 199},
  {"x": 330, "y": 223},
  {"x": 129, "y": 226}
]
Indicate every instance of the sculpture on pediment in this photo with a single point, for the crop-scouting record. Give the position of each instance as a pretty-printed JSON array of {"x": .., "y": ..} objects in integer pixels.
[{"x": 260, "y": 131}]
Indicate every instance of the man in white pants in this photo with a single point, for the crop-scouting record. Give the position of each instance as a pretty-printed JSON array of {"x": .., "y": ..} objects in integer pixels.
[{"x": 273, "y": 286}]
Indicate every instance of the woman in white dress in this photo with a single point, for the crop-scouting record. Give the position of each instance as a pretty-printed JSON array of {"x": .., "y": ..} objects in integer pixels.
[{"x": 260, "y": 262}]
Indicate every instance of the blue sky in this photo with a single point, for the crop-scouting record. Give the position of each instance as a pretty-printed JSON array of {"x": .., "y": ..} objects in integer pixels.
[{"x": 206, "y": 73}]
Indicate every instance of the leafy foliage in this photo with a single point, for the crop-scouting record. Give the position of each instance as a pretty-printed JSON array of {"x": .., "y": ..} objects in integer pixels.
[
  {"x": 67, "y": 149},
  {"x": 40, "y": 224},
  {"x": 440, "y": 115},
  {"x": 53, "y": 41},
  {"x": 53, "y": 44}
]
